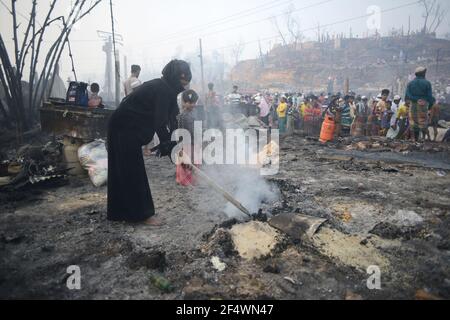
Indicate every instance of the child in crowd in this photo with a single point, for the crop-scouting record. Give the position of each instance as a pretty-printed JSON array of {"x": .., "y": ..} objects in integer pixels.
[
  {"x": 186, "y": 121},
  {"x": 403, "y": 120},
  {"x": 374, "y": 122},
  {"x": 95, "y": 101}
]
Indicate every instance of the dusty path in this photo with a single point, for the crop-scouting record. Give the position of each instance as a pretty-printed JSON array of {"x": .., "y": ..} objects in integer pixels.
[{"x": 390, "y": 214}]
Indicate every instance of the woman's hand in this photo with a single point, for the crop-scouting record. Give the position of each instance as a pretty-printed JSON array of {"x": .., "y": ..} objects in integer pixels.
[{"x": 165, "y": 149}]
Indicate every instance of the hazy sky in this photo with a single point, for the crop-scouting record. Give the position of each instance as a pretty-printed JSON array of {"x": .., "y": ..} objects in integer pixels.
[{"x": 156, "y": 30}]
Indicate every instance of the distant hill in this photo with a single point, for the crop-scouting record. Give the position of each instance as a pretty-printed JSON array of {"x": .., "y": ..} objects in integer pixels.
[{"x": 370, "y": 64}]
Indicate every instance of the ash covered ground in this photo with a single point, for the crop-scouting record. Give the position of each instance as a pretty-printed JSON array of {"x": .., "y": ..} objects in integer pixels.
[{"x": 382, "y": 208}]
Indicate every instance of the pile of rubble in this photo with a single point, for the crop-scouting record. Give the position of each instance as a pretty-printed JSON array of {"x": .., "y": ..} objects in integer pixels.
[
  {"x": 32, "y": 165},
  {"x": 240, "y": 121},
  {"x": 381, "y": 144}
]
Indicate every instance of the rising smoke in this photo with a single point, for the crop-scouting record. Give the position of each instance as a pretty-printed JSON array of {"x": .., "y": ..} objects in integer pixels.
[{"x": 243, "y": 183}]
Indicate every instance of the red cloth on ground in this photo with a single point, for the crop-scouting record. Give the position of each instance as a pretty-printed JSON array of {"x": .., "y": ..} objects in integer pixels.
[{"x": 185, "y": 177}]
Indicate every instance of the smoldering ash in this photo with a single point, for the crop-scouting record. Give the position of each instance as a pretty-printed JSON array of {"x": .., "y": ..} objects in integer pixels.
[{"x": 240, "y": 159}]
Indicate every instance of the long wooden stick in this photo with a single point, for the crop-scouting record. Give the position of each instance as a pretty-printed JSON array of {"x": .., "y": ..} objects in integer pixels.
[
  {"x": 210, "y": 182},
  {"x": 219, "y": 189}
]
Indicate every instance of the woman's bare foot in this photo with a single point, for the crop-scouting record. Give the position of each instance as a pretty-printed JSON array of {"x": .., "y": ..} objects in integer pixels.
[{"x": 154, "y": 222}]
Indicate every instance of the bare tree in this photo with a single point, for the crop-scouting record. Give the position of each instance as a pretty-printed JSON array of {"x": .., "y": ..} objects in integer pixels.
[
  {"x": 293, "y": 28},
  {"x": 237, "y": 51},
  {"x": 433, "y": 15},
  {"x": 318, "y": 32},
  {"x": 279, "y": 30},
  {"x": 289, "y": 32},
  {"x": 3, "y": 112},
  {"x": 28, "y": 52}
]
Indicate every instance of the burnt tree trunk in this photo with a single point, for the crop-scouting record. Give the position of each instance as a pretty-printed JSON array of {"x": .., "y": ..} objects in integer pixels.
[
  {"x": 5, "y": 114},
  {"x": 18, "y": 111},
  {"x": 13, "y": 90}
]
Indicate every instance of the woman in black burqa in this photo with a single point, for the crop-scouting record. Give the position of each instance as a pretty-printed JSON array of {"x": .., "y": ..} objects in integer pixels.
[{"x": 151, "y": 108}]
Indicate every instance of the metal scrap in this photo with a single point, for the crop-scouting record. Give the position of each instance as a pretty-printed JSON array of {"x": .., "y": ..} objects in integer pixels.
[
  {"x": 297, "y": 225},
  {"x": 33, "y": 165}
]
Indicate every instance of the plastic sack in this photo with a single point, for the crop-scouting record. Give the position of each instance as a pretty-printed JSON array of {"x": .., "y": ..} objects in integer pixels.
[
  {"x": 94, "y": 158},
  {"x": 392, "y": 134}
]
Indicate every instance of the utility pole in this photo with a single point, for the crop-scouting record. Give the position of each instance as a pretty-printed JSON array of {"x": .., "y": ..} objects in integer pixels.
[
  {"x": 108, "y": 48},
  {"x": 409, "y": 26},
  {"x": 117, "y": 78},
  {"x": 347, "y": 86},
  {"x": 201, "y": 66},
  {"x": 408, "y": 40},
  {"x": 261, "y": 56},
  {"x": 125, "y": 67},
  {"x": 437, "y": 59},
  {"x": 318, "y": 32}
]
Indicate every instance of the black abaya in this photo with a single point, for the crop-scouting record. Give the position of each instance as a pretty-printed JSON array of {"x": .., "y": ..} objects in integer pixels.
[
  {"x": 129, "y": 195},
  {"x": 151, "y": 109}
]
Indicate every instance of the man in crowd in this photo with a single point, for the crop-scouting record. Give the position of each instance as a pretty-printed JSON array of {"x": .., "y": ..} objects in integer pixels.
[
  {"x": 346, "y": 117},
  {"x": 133, "y": 81},
  {"x": 233, "y": 100},
  {"x": 361, "y": 114},
  {"x": 420, "y": 92},
  {"x": 378, "y": 112},
  {"x": 364, "y": 109}
]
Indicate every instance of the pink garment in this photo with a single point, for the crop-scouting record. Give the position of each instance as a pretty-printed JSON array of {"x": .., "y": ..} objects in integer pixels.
[{"x": 264, "y": 107}]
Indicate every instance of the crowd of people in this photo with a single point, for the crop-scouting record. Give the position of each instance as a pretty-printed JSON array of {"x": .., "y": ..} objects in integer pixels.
[
  {"x": 396, "y": 117},
  {"x": 409, "y": 117}
]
